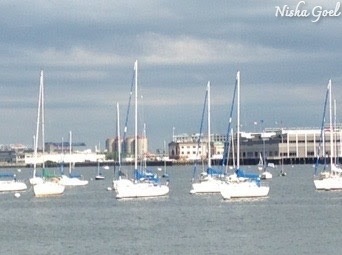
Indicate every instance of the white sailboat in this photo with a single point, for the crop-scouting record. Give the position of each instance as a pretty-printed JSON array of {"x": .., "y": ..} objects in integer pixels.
[
  {"x": 8, "y": 182},
  {"x": 142, "y": 185},
  {"x": 330, "y": 180},
  {"x": 71, "y": 180},
  {"x": 210, "y": 180},
  {"x": 241, "y": 184},
  {"x": 43, "y": 186}
]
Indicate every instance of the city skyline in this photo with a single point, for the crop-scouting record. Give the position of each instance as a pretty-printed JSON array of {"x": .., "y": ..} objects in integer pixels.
[{"x": 87, "y": 51}]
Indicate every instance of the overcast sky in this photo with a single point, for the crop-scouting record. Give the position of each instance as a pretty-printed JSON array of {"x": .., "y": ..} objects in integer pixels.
[{"x": 87, "y": 50}]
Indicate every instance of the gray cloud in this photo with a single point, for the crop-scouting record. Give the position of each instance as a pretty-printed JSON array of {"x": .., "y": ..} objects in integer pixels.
[{"x": 87, "y": 50}]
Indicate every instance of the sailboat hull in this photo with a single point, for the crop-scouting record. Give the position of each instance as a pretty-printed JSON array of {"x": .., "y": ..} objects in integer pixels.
[
  {"x": 68, "y": 181},
  {"x": 245, "y": 189},
  {"x": 266, "y": 175},
  {"x": 207, "y": 186},
  {"x": 99, "y": 177},
  {"x": 36, "y": 180},
  {"x": 12, "y": 186},
  {"x": 48, "y": 188},
  {"x": 140, "y": 189},
  {"x": 121, "y": 182},
  {"x": 330, "y": 183}
]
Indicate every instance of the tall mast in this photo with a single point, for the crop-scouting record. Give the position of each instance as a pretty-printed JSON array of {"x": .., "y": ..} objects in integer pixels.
[
  {"x": 118, "y": 134},
  {"x": 335, "y": 138},
  {"x": 136, "y": 116},
  {"x": 38, "y": 124},
  {"x": 331, "y": 125},
  {"x": 70, "y": 150},
  {"x": 43, "y": 116},
  {"x": 238, "y": 122},
  {"x": 209, "y": 129}
]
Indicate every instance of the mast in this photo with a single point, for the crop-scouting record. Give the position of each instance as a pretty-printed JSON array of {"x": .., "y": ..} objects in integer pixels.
[
  {"x": 136, "y": 116},
  {"x": 118, "y": 134},
  {"x": 335, "y": 135},
  {"x": 229, "y": 139},
  {"x": 43, "y": 117},
  {"x": 164, "y": 155},
  {"x": 209, "y": 129},
  {"x": 38, "y": 124},
  {"x": 238, "y": 122},
  {"x": 62, "y": 158},
  {"x": 70, "y": 150},
  {"x": 233, "y": 148},
  {"x": 331, "y": 126},
  {"x": 322, "y": 133}
]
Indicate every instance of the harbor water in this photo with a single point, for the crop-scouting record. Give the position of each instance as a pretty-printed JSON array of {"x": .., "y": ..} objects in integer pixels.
[{"x": 294, "y": 219}]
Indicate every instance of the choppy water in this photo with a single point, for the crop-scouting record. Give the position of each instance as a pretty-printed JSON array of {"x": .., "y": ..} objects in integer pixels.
[{"x": 294, "y": 219}]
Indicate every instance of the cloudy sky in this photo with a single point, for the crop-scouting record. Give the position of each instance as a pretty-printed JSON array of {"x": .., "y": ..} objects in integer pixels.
[{"x": 87, "y": 50}]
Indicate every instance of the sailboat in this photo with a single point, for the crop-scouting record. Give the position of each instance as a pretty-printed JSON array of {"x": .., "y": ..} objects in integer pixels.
[
  {"x": 209, "y": 180},
  {"x": 143, "y": 184},
  {"x": 329, "y": 180},
  {"x": 43, "y": 186},
  {"x": 242, "y": 184},
  {"x": 99, "y": 175},
  {"x": 71, "y": 180},
  {"x": 8, "y": 182}
]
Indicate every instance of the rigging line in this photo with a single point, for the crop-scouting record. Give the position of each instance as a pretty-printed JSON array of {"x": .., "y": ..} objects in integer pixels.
[
  {"x": 128, "y": 107},
  {"x": 322, "y": 128},
  {"x": 127, "y": 117},
  {"x": 141, "y": 109},
  {"x": 200, "y": 132}
]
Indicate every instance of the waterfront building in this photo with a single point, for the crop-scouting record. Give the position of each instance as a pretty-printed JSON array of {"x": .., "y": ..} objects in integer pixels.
[
  {"x": 195, "y": 146},
  {"x": 110, "y": 143},
  {"x": 293, "y": 146},
  {"x": 13, "y": 154}
]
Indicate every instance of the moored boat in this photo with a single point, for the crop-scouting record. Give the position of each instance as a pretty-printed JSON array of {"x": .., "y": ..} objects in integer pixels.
[
  {"x": 8, "y": 182},
  {"x": 145, "y": 184},
  {"x": 48, "y": 188},
  {"x": 242, "y": 184}
]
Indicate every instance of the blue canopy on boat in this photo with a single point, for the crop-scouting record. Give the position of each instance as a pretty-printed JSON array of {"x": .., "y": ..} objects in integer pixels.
[
  {"x": 241, "y": 173},
  {"x": 145, "y": 175},
  {"x": 214, "y": 172},
  {"x": 4, "y": 175},
  {"x": 75, "y": 175}
]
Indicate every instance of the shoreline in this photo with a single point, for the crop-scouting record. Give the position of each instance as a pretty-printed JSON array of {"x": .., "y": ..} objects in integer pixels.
[{"x": 162, "y": 163}]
